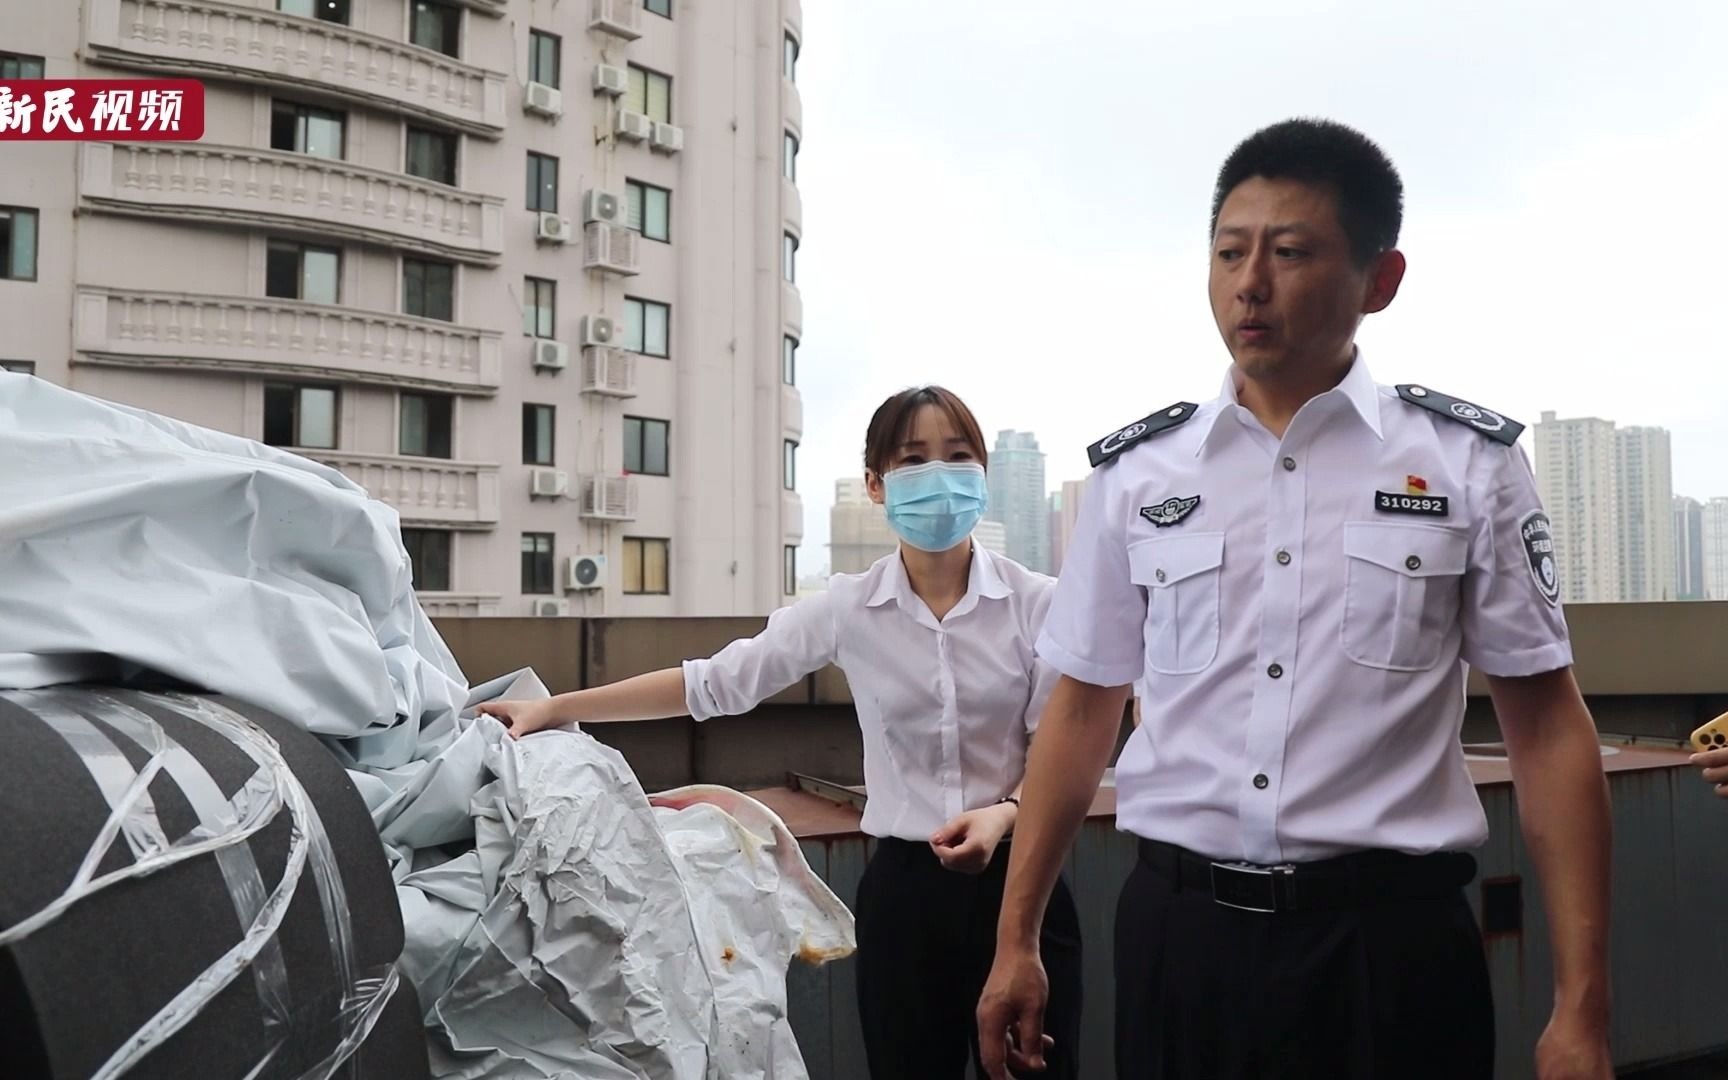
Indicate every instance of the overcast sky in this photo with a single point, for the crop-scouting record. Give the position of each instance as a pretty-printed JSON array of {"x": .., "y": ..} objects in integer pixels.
[{"x": 1010, "y": 198}]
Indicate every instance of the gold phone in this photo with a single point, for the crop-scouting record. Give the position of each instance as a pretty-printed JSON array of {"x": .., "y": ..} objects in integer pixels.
[{"x": 1713, "y": 735}]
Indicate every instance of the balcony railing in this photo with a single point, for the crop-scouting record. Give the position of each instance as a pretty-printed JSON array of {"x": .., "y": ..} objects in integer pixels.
[
  {"x": 423, "y": 491},
  {"x": 447, "y": 605},
  {"x": 268, "y": 187},
  {"x": 258, "y": 44},
  {"x": 137, "y": 327}
]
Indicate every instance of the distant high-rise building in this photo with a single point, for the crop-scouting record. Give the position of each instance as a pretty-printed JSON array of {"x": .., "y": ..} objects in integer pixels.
[
  {"x": 1714, "y": 535},
  {"x": 992, "y": 537},
  {"x": 858, "y": 532},
  {"x": 1064, "y": 515},
  {"x": 1688, "y": 548},
  {"x": 1017, "y": 498},
  {"x": 1645, "y": 514},
  {"x": 1577, "y": 476}
]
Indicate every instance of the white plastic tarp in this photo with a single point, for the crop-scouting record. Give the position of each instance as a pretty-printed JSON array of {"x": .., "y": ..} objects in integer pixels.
[{"x": 558, "y": 925}]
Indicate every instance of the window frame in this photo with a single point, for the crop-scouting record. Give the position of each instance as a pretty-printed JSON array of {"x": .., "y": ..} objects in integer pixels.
[
  {"x": 439, "y": 407},
  {"x": 545, "y": 314},
  {"x": 641, "y": 440},
  {"x": 535, "y": 38},
  {"x": 790, "y": 144},
  {"x": 788, "y": 360},
  {"x": 531, "y": 578},
  {"x": 532, "y": 411},
  {"x": 648, "y": 76},
  {"x": 412, "y": 260},
  {"x": 300, "y": 249},
  {"x": 19, "y": 367},
  {"x": 640, "y": 190},
  {"x": 20, "y": 61},
  {"x": 8, "y": 264},
  {"x": 415, "y": 537},
  {"x": 642, "y": 544},
  {"x": 644, "y": 304},
  {"x": 789, "y": 570},
  {"x": 789, "y": 258},
  {"x": 453, "y": 12},
  {"x": 789, "y": 465},
  {"x": 297, "y": 412},
  {"x": 455, "y": 144},
  {"x": 789, "y": 58},
  {"x": 537, "y": 187},
  {"x": 648, "y": 6},
  {"x": 302, "y": 112}
]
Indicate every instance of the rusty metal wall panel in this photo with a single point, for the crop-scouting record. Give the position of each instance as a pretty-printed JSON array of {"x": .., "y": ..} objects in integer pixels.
[
  {"x": 1700, "y": 831},
  {"x": 1645, "y": 1024},
  {"x": 808, "y": 1003}
]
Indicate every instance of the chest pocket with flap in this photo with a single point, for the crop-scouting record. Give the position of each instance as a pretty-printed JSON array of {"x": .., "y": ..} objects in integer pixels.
[
  {"x": 1181, "y": 575},
  {"x": 1402, "y": 585}
]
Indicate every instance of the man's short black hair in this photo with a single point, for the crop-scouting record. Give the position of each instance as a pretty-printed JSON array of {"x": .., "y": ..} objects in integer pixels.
[{"x": 1370, "y": 194}]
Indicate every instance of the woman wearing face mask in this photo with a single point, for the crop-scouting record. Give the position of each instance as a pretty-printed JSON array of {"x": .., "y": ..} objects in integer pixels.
[{"x": 936, "y": 643}]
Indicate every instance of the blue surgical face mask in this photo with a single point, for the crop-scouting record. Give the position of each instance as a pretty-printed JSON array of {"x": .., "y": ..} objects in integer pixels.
[{"x": 936, "y": 505}]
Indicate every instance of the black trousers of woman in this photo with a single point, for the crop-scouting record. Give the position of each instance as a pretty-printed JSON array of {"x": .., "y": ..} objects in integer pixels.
[{"x": 926, "y": 940}]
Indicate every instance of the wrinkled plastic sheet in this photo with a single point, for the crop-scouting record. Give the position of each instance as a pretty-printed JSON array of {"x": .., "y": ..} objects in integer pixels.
[{"x": 558, "y": 925}]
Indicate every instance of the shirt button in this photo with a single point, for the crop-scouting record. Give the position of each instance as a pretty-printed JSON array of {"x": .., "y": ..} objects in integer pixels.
[
  {"x": 1413, "y": 563},
  {"x": 1276, "y": 671},
  {"x": 1283, "y": 558},
  {"x": 1289, "y": 464},
  {"x": 1260, "y": 781},
  {"x": 1158, "y": 574}
]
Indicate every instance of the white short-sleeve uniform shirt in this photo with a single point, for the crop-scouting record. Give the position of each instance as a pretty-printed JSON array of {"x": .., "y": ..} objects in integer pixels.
[
  {"x": 1296, "y": 615},
  {"x": 947, "y": 708}
]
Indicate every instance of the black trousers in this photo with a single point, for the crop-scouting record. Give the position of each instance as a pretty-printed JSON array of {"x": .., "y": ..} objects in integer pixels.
[
  {"x": 926, "y": 940},
  {"x": 1387, "y": 990}
]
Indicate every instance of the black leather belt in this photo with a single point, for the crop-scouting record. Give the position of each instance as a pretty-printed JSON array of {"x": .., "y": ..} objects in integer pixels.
[{"x": 1360, "y": 879}]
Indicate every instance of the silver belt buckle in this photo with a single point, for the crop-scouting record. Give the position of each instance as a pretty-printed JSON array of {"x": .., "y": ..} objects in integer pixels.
[{"x": 1248, "y": 887}]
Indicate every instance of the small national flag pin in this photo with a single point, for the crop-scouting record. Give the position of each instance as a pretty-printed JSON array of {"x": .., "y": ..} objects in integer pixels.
[{"x": 1415, "y": 485}]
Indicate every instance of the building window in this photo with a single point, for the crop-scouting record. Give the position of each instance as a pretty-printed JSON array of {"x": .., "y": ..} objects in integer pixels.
[
  {"x": 429, "y": 557},
  {"x": 650, "y": 210},
  {"x": 301, "y": 416},
  {"x": 789, "y": 257},
  {"x": 432, "y": 155},
  {"x": 789, "y": 466},
  {"x": 335, "y": 11},
  {"x": 537, "y": 563},
  {"x": 791, "y": 62},
  {"x": 645, "y": 566},
  {"x": 426, "y": 422},
  {"x": 305, "y": 129},
  {"x": 17, "y": 244},
  {"x": 650, "y": 93},
  {"x": 789, "y": 157},
  {"x": 19, "y": 66},
  {"x": 645, "y": 446},
  {"x": 302, "y": 272},
  {"x": 647, "y": 327},
  {"x": 790, "y": 572},
  {"x": 539, "y": 307},
  {"x": 538, "y": 441},
  {"x": 789, "y": 360},
  {"x": 545, "y": 56},
  {"x": 437, "y": 27},
  {"x": 542, "y": 183},
  {"x": 662, "y": 8},
  {"x": 19, "y": 367},
  {"x": 428, "y": 289}
]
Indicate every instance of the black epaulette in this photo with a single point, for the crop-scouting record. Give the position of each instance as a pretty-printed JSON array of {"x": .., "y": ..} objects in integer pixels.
[
  {"x": 1164, "y": 419},
  {"x": 1487, "y": 421}
]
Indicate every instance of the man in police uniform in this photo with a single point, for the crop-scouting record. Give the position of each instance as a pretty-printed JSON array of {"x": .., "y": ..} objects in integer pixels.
[{"x": 1293, "y": 575}]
